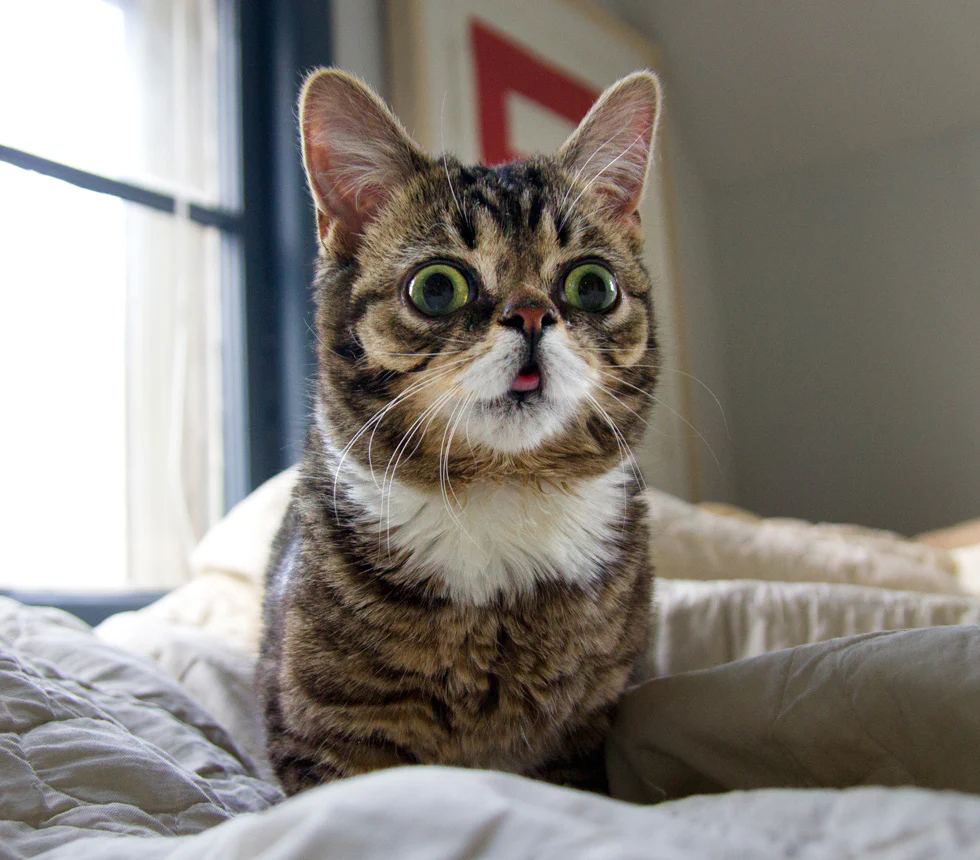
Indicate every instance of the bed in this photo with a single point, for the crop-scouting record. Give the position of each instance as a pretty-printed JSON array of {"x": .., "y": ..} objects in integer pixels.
[{"x": 811, "y": 692}]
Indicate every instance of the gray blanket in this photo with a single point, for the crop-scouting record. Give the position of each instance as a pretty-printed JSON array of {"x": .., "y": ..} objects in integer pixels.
[
  {"x": 896, "y": 708},
  {"x": 104, "y": 756}
]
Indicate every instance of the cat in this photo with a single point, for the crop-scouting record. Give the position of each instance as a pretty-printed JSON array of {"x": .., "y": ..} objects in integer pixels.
[{"x": 462, "y": 576}]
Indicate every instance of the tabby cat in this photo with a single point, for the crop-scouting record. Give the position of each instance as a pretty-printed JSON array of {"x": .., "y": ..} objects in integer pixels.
[{"x": 462, "y": 575}]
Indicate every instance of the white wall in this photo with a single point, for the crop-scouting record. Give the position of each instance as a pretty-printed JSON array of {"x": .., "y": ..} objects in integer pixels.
[
  {"x": 358, "y": 40},
  {"x": 852, "y": 302},
  {"x": 704, "y": 320}
]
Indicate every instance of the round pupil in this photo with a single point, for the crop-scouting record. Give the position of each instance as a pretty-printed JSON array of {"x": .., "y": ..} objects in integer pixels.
[
  {"x": 438, "y": 291},
  {"x": 592, "y": 291}
]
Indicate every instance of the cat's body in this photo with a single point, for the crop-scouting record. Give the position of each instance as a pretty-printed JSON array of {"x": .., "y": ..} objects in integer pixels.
[{"x": 462, "y": 577}]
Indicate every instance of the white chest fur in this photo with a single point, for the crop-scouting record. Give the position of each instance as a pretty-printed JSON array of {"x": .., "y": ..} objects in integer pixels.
[{"x": 496, "y": 538}]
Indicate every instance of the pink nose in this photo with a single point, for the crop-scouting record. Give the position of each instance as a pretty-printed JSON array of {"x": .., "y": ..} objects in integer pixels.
[{"x": 530, "y": 319}]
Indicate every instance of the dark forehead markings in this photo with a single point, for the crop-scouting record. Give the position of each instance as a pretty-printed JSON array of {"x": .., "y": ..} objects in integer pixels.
[
  {"x": 476, "y": 197},
  {"x": 472, "y": 174},
  {"x": 561, "y": 230},
  {"x": 511, "y": 176},
  {"x": 513, "y": 195},
  {"x": 518, "y": 179},
  {"x": 515, "y": 212},
  {"x": 534, "y": 211},
  {"x": 466, "y": 229},
  {"x": 591, "y": 235}
]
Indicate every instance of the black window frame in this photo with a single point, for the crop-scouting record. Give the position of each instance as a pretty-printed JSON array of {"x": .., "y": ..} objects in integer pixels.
[
  {"x": 282, "y": 40},
  {"x": 268, "y": 250}
]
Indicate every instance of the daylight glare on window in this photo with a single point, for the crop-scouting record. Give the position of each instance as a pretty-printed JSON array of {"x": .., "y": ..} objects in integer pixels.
[
  {"x": 64, "y": 86},
  {"x": 110, "y": 316},
  {"x": 63, "y": 298}
]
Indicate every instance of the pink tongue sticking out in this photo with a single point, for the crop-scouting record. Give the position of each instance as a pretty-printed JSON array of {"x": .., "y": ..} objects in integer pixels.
[{"x": 528, "y": 381}]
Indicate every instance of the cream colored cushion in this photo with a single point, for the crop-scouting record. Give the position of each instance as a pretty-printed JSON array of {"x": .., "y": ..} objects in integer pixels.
[
  {"x": 727, "y": 587},
  {"x": 689, "y": 542}
]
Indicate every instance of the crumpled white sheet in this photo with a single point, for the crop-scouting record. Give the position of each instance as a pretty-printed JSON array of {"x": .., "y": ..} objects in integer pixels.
[
  {"x": 96, "y": 745},
  {"x": 698, "y": 625},
  {"x": 892, "y": 708},
  {"x": 689, "y": 542},
  {"x": 95, "y": 740},
  {"x": 217, "y": 674},
  {"x": 443, "y": 814}
]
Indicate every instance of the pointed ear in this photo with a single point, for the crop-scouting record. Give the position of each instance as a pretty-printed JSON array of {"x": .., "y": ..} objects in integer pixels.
[
  {"x": 355, "y": 153},
  {"x": 610, "y": 150}
]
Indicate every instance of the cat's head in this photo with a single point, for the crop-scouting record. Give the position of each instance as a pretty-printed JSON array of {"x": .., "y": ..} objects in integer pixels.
[{"x": 480, "y": 320}]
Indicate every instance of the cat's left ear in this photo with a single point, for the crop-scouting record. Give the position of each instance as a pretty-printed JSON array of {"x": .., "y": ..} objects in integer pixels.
[
  {"x": 356, "y": 154},
  {"x": 610, "y": 150}
]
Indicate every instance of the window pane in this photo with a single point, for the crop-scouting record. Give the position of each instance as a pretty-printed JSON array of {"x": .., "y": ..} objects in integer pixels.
[
  {"x": 110, "y": 340},
  {"x": 62, "y": 351},
  {"x": 125, "y": 88}
]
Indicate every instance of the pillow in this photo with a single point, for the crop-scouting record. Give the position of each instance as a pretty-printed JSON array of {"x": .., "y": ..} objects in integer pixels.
[{"x": 687, "y": 542}]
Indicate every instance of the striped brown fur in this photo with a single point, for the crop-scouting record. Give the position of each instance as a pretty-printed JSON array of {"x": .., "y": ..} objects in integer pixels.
[{"x": 370, "y": 658}]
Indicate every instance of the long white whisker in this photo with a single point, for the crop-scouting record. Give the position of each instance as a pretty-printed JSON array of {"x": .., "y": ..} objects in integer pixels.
[
  {"x": 705, "y": 386},
  {"x": 619, "y": 436},
  {"x": 592, "y": 181},
  {"x": 605, "y": 390},
  {"x": 431, "y": 411},
  {"x": 445, "y": 164},
  {"x": 673, "y": 411},
  {"x": 378, "y": 416},
  {"x": 438, "y": 375},
  {"x": 440, "y": 370},
  {"x": 466, "y": 402},
  {"x": 432, "y": 378},
  {"x": 419, "y": 354},
  {"x": 444, "y": 478},
  {"x": 624, "y": 449}
]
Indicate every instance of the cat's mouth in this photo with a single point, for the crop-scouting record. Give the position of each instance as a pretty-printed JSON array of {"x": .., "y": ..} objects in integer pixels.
[
  {"x": 519, "y": 405},
  {"x": 528, "y": 379}
]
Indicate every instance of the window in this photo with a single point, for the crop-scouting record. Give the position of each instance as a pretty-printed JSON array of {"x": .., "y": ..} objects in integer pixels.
[
  {"x": 156, "y": 249},
  {"x": 120, "y": 288}
]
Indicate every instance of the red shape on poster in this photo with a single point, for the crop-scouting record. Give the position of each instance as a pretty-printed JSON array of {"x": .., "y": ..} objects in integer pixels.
[{"x": 504, "y": 66}]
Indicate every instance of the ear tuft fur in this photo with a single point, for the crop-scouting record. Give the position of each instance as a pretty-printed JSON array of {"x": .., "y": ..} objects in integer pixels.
[
  {"x": 355, "y": 152},
  {"x": 610, "y": 150}
]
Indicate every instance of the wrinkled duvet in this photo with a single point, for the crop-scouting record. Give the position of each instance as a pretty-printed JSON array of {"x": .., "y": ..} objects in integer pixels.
[{"x": 104, "y": 754}]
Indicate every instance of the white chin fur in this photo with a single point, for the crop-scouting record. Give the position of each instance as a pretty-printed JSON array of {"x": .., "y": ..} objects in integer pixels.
[{"x": 508, "y": 426}]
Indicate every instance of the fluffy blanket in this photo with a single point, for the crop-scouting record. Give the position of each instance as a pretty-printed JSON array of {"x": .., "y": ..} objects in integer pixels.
[
  {"x": 728, "y": 586},
  {"x": 97, "y": 741},
  {"x": 104, "y": 756},
  {"x": 858, "y": 746}
]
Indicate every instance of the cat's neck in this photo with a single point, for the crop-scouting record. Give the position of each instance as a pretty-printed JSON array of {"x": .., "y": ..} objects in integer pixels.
[{"x": 493, "y": 538}]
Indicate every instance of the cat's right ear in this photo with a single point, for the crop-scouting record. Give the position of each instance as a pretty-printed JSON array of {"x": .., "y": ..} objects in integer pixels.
[{"x": 355, "y": 153}]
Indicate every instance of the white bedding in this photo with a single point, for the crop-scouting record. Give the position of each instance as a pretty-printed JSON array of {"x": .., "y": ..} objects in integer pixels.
[
  {"x": 703, "y": 624},
  {"x": 93, "y": 740},
  {"x": 442, "y": 814},
  {"x": 727, "y": 588},
  {"x": 102, "y": 756}
]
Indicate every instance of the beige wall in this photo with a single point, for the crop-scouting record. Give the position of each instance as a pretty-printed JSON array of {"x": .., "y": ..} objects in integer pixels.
[
  {"x": 358, "y": 40},
  {"x": 705, "y": 325},
  {"x": 852, "y": 301}
]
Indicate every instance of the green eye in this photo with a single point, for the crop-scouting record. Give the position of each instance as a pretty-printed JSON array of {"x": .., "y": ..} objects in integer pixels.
[
  {"x": 591, "y": 287},
  {"x": 439, "y": 289}
]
